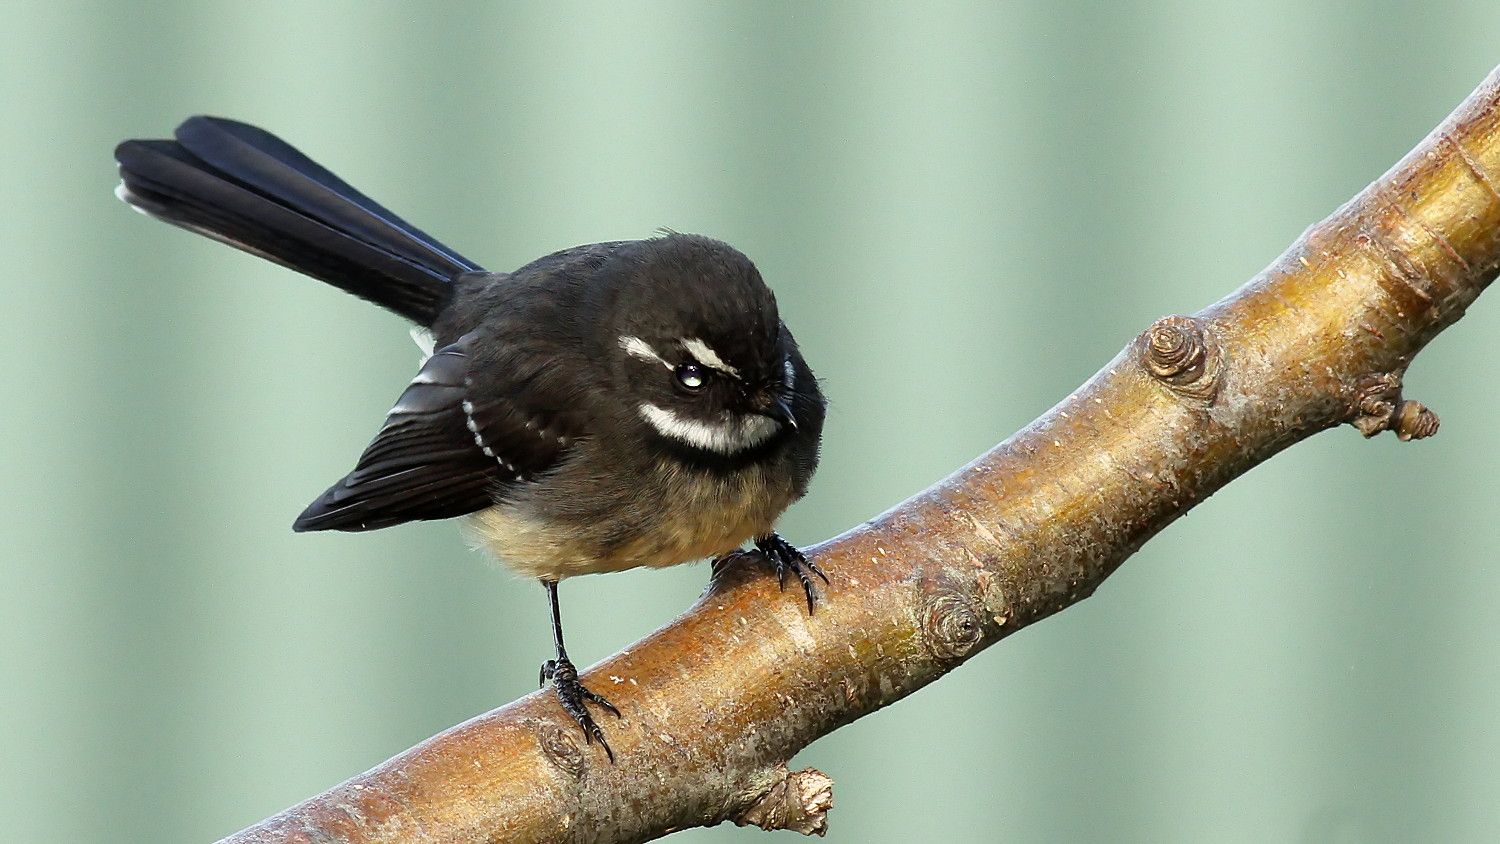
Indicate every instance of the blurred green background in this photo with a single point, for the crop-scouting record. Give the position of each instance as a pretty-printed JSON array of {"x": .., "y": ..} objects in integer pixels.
[{"x": 965, "y": 210}]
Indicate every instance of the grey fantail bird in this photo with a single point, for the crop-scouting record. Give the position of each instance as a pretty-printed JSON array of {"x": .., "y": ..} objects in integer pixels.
[{"x": 636, "y": 403}]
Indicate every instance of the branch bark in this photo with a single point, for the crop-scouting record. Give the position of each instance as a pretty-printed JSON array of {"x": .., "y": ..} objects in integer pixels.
[{"x": 719, "y": 700}]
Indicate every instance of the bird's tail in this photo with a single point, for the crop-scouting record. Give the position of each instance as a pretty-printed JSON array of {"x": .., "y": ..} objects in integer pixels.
[{"x": 248, "y": 188}]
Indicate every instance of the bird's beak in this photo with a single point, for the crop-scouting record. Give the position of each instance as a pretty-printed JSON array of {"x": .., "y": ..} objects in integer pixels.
[{"x": 781, "y": 410}]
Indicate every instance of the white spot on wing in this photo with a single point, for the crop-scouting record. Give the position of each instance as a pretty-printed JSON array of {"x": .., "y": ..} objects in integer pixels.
[
  {"x": 732, "y": 435},
  {"x": 473, "y": 427},
  {"x": 705, "y": 355}
]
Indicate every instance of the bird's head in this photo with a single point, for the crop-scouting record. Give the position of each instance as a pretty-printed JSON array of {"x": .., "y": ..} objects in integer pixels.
[{"x": 701, "y": 349}]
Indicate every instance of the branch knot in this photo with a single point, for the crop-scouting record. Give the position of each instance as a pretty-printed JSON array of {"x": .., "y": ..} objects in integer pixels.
[
  {"x": 952, "y": 626},
  {"x": 1176, "y": 351},
  {"x": 796, "y": 801},
  {"x": 1380, "y": 407},
  {"x": 560, "y": 749}
]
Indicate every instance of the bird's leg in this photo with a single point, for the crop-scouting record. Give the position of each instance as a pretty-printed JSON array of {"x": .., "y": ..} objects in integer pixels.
[
  {"x": 564, "y": 676},
  {"x": 785, "y": 557}
]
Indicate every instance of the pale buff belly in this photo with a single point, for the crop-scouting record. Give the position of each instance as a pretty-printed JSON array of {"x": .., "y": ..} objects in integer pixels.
[{"x": 682, "y": 520}]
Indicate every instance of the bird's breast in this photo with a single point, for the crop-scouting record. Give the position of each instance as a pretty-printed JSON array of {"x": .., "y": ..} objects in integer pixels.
[{"x": 664, "y": 516}]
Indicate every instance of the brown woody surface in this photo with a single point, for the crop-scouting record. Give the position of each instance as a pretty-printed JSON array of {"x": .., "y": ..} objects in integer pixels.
[{"x": 719, "y": 700}]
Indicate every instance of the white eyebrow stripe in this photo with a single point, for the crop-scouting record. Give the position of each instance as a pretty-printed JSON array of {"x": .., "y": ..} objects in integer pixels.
[
  {"x": 636, "y": 347},
  {"x": 728, "y": 437},
  {"x": 707, "y": 356}
]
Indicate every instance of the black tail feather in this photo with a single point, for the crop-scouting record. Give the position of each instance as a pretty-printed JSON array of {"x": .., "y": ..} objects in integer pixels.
[{"x": 245, "y": 187}]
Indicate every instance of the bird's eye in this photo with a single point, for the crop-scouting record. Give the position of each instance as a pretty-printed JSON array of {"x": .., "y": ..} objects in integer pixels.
[{"x": 691, "y": 376}]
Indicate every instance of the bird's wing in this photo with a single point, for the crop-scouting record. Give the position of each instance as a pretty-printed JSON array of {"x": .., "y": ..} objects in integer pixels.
[{"x": 441, "y": 453}]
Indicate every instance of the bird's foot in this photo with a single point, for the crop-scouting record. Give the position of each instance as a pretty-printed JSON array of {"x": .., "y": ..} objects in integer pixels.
[
  {"x": 573, "y": 696},
  {"x": 785, "y": 557}
]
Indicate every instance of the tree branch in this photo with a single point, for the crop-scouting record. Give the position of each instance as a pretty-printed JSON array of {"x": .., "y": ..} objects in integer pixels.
[{"x": 719, "y": 700}]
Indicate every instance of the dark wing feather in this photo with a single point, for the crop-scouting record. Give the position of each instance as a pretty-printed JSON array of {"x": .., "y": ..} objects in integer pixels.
[{"x": 438, "y": 455}]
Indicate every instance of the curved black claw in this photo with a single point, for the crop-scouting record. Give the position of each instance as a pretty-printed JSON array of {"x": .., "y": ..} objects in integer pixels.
[
  {"x": 785, "y": 557},
  {"x": 572, "y": 694}
]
